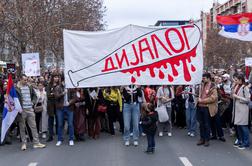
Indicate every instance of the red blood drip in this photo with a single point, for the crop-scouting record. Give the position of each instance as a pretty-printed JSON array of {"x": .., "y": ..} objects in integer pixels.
[
  {"x": 165, "y": 66},
  {"x": 133, "y": 79},
  {"x": 174, "y": 71},
  {"x": 138, "y": 73},
  {"x": 172, "y": 61},
  {"x": 170, "y": 78},
  {"x": 152, "y": 72},
  {"x": 193, "y": 68},
  {"x": 161, "y": 74},
  {"x": 187, "y": 74}
]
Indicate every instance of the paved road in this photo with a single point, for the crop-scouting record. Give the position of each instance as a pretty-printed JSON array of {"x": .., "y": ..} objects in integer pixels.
[{"x": 179, "y": 150}]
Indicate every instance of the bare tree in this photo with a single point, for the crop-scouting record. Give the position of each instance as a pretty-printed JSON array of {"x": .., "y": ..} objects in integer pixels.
[
  {"x": 222, "y": 52},
  {"x": 37, "y": 25}
]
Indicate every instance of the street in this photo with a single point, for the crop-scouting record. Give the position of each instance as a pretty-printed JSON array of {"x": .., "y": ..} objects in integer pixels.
[{"x": 178, "y": 150}]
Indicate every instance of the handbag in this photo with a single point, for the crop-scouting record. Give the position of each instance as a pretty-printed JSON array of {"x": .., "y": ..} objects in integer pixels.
[
  {"x": 102, "y": 108},
  {"x": 38, "y": 108},
  {"x": 162, "y": 113}
]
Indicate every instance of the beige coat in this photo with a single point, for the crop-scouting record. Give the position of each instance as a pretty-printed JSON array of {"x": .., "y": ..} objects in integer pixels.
[
  {"x": 211, "y": 101},
  {"x": 241, "y": 109}
]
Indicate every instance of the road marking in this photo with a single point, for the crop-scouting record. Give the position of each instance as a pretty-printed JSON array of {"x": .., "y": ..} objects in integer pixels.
[
  {"x": 33, "y": 164},
  {"x": 185, "y": 161}
]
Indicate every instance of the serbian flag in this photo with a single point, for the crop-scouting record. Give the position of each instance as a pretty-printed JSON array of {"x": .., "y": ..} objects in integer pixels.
[
  {"x": 11, "y": 108},
  {"x": 238, "y": 26}
]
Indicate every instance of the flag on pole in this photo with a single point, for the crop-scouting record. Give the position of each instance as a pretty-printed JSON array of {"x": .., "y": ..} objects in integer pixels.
[
  {"x": 11, "y": 108},
  {"x": 238, "y": 26}
]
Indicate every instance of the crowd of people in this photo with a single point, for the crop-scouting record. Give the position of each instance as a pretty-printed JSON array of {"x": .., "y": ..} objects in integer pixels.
[{"x": 221, "y": 101}]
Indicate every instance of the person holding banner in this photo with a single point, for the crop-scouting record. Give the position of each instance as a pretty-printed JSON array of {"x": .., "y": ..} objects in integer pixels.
[
  {"x": 63, "y": 102},
  {"x": 131, "y": 113},
  {"x": 165, "y": 94},
  {"x": 114, "y": 98}
]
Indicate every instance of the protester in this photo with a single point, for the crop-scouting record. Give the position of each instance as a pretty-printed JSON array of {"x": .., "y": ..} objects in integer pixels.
[
  {"x": 148, "y": 122},
  {"x": 165, "y": 95},
  {"x": 190, "y": 100},
  {"x": 131, "y": 113},
  {"x": 114, "y": 99},
  {"x": 40, "y": 109},
  {"x": 207, "y": 106},
  {"x": 241, "y": 97},
  {"x": 80, "y": 108},
  {"x": 63, "y": 103},
  {"x": 51, "y": 104},
  {"x": 27, "y": 98}
]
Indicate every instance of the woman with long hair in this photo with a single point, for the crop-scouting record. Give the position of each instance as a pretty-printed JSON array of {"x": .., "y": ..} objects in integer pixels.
[{"x": 241, "y": 97}]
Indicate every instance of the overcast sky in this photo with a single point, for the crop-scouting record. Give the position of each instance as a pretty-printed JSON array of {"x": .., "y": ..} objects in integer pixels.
[{"x": 147, "y": 12}]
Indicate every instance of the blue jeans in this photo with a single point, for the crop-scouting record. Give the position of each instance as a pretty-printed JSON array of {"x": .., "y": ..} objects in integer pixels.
[
  {"x": 60, "y": 117},
  {"x": 151, "y": 141},
  {"x": 243, "y": 135},
  {"x": 131, "y": 114},
  {"x": 203, "y": 117},
  {"x": 191, "y": 118}
]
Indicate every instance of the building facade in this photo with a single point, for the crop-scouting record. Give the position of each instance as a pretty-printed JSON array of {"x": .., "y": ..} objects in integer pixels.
[{"x": 230, "y": 7}]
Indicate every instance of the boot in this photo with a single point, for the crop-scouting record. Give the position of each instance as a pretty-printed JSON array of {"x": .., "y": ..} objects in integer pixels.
[{"x": 201, "y": 142}]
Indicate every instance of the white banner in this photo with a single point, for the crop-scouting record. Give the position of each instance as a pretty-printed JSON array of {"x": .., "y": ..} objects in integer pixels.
[
  {"x": 134, "y": 55},
  {"x": 248, "y": 61},
  {"x": 31, "y": 64}
]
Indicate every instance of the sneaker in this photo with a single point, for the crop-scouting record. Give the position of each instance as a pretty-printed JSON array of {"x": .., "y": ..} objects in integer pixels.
[
  {"x": 39, "y": 145},
  {"x": 241, "y": 147},
  {"x": 192, "y": 135},
  {"x": 127, "y": 143},
  {"x": 143, "y": 134},
  {"x": 58, "y": 143},
  {"x": 169, "y": 134},
  {"x": 23, "y": 147},
  {"x": 236, "y": 144},
  {"x": 160, "y": 134},
  {"x": 188, "y": 133},
  {"x": 44, "y": 135},
  {"x": 135, "y": 143},
  {"x": 71, "y": 143}
]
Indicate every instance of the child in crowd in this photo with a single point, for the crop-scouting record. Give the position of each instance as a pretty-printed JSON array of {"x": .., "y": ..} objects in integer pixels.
[{"x": 148, "y": 121}]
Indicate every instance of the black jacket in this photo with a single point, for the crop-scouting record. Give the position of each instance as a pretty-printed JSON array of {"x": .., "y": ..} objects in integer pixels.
[
  {"x": 149, "y": 123},
  {"x": 128, "y": 95}
]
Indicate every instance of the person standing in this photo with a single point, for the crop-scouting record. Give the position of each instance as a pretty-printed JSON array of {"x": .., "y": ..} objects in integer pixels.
[
  {"x": 207, "y": 107},
  {"x": 131, "y": 113},
  {"x": 51, "y": 104},
  {"x": 27, "y": 98},
  {"x": 148, "y": 122},
  {"x": 63, "y": 101},
  {"x": 41, "y": 117},
  {"x": 114, "y": 98},
  {"x": 165, "y": 95},
  {"x": 241, "y": 97},
  {"x": 190, "y": 96}
]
